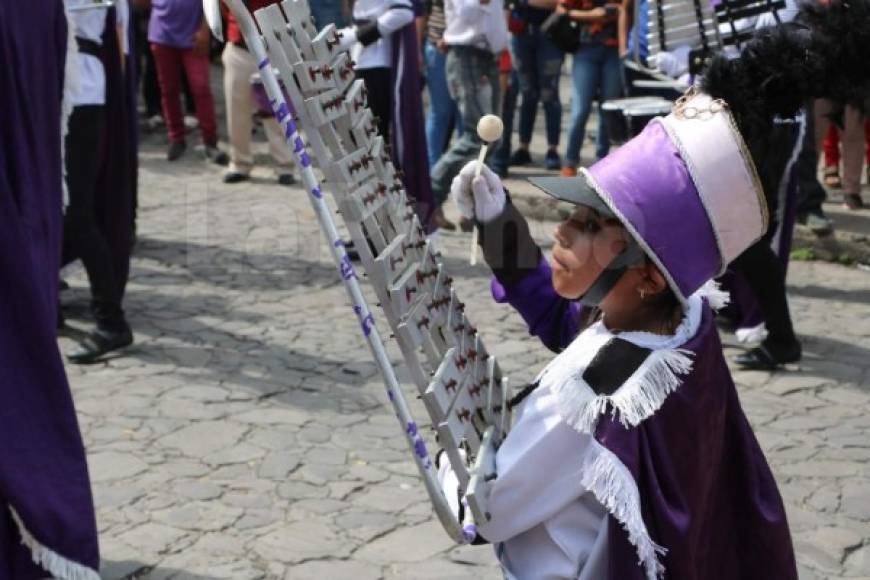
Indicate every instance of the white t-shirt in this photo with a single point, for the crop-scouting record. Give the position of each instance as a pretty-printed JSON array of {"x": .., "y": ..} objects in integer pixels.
[
  {"x": 470, "y": 23},
  {"x": 89, "y": 87}
]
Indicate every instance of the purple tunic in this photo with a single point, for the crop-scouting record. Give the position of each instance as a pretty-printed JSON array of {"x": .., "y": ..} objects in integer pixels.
[
  {"x": 707, "y": 493},
  {"x": 174, "y": 22},
  {"x": 43, "y": 472}
]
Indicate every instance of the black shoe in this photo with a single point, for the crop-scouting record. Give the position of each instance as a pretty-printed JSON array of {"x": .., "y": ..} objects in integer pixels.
[
  {"x": 764, "y": 358},
  {"x": 235, "y": 177},
  {"x": 216, "y": 156},
  {"x": 552, "y": 161},
  {"x": 817, "y": 221},
  {"x": 99, "y": 343},
  {"x": 176, "y": 150},
  {"x": 286, "y": 179},
  {"x": 521, "y": 157}
]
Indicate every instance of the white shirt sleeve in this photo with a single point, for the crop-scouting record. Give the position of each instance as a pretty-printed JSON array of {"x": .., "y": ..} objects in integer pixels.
[
  {"x": 394, "y": 19},
  {"x": 539, "y": 471}
]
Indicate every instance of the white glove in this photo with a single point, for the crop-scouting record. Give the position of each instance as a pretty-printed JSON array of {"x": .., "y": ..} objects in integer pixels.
[
  {"x": 348, "y": 38},
  {"x": 481, "y": 197}
]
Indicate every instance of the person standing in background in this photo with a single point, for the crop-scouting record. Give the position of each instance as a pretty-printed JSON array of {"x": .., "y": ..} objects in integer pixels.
[
  {"x": 596, "y": 72},
  {"x": 476, "y": 33},
  {"x": 97, "y": 179},
  {"x": 384, "y": 45},
  {"x": 539, "y": 65},
  {"x": 179, "y": 38},
  {"x": 239, "y": 66}
]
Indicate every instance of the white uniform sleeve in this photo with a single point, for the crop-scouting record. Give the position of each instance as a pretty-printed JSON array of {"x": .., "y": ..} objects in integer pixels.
[
  {"x": 539, "y": 471},
  {"x": 394, "y": 19}
]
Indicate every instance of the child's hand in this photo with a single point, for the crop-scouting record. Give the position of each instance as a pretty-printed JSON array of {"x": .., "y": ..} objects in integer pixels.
[{"x": 480, "y": 197}]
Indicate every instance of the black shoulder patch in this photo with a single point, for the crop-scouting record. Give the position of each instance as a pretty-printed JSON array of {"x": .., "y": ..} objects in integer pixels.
[{"x": 613, "y": 364}]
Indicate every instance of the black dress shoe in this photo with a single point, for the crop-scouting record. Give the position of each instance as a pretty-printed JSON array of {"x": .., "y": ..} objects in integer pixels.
[
  {"x": 286, "y": 179},
  {"x": 99, "y": 343},
  {"x": 763, "y": 358},
  {"x": 235, "y": 177}
]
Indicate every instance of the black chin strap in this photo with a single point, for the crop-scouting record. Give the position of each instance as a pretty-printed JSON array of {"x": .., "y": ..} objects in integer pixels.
[{"x": 611, "y": 275}]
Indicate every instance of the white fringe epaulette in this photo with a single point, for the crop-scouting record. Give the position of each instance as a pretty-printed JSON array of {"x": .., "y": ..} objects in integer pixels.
[
  {"x": 714, "y": 295},
  {"x": 49, "y": 560}
]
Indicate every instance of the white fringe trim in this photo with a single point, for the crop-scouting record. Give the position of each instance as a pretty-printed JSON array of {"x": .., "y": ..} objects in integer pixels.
[
  {"x": 614, "y": 487},
  {"x": 715, "y": 296},
  {"x": 52, "y": 562},
  {"x": 637, "y": 399}
]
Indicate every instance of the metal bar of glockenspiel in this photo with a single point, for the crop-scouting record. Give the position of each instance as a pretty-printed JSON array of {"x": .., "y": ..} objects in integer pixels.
[{"x": 282, "y": 113}]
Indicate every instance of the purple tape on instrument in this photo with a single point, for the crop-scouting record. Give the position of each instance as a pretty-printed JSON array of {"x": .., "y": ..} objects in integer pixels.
[
  {"x": 367, "y": 322},
  {"x": 263, "y": 63},
  {"x": 305, "y": 159},
  {"x": 412, "y": 428},
  {"x": 469, "y": 532},
  {"x": 346, "y": 267},
  {"x": 317, "y": 193},
  {"x": 298, "y": 145}
]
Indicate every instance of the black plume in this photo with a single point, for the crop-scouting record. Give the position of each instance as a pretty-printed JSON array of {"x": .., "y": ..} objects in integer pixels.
[{"x": 824, "y": 53}]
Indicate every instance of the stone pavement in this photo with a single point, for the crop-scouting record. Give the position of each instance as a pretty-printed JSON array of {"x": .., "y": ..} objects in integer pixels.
[{"x": 247, "y": 434}]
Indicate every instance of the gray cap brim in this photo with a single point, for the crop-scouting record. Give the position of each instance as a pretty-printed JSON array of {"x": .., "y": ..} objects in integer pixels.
[{"x": 574, "y": 190}]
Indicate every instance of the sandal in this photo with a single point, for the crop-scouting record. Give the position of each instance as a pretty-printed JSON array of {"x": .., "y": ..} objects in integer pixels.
[{"x": 832, "y": 177}]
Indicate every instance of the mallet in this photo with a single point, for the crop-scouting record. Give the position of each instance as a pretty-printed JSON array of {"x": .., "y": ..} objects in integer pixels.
[{"x": 489, "y": 129}]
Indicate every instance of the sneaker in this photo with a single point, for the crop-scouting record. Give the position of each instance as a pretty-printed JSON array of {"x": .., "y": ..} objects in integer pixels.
[
  {"x": 176, "y": 150},
  {"x": 235, "y": 177},
  {"x": 216, "y": 156},
  {"x": 817, "y": 221},
  {"x": 569, "y": 171},
  {"x": 552, "y": 160},
  {"x": 853, "y": 201},
  {"x": 521, "y": 157},
  {"x": 154, "y": 122},
  {"x": 286, "y": 179}
]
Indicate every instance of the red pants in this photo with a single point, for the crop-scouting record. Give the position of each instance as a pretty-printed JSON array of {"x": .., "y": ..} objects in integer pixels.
[
  {"x": 831, "y": 144},
  {"x": 170, "y": 61}
]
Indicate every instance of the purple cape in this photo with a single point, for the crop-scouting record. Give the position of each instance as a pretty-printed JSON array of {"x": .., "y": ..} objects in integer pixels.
[
  {"x": 408, "y": 135},
  {"x": 707, "y": 494},
  {"x": 44, "y": 486}
]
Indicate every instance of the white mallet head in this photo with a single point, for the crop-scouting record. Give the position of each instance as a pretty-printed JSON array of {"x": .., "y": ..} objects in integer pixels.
[{"x": 490, "y": 128}]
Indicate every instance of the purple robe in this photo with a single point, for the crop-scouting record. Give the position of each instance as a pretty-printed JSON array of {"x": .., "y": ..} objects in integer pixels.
[
  {"x": 408, "y": 135},
  {"x": 707, "y": 494},
  {"x": 44, "y": 485}
]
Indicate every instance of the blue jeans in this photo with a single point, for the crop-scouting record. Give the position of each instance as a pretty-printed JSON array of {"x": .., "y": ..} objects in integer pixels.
[
  {"x": 538, "y": 64},
  {"x": 327, "y": 12},
  {"x": 443, "y": 111},
  {"x": 596, "y": 71}
]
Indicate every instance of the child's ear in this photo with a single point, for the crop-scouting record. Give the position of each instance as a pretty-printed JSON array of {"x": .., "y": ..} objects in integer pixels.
[{"x": 654, "y": 281}]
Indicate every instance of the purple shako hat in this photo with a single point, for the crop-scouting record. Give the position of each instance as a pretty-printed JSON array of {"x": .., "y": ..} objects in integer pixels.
[{"x": 685, "y": 188}]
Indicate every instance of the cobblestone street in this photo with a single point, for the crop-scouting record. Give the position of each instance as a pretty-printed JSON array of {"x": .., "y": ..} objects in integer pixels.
[{"x": 247, "y": 434}]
